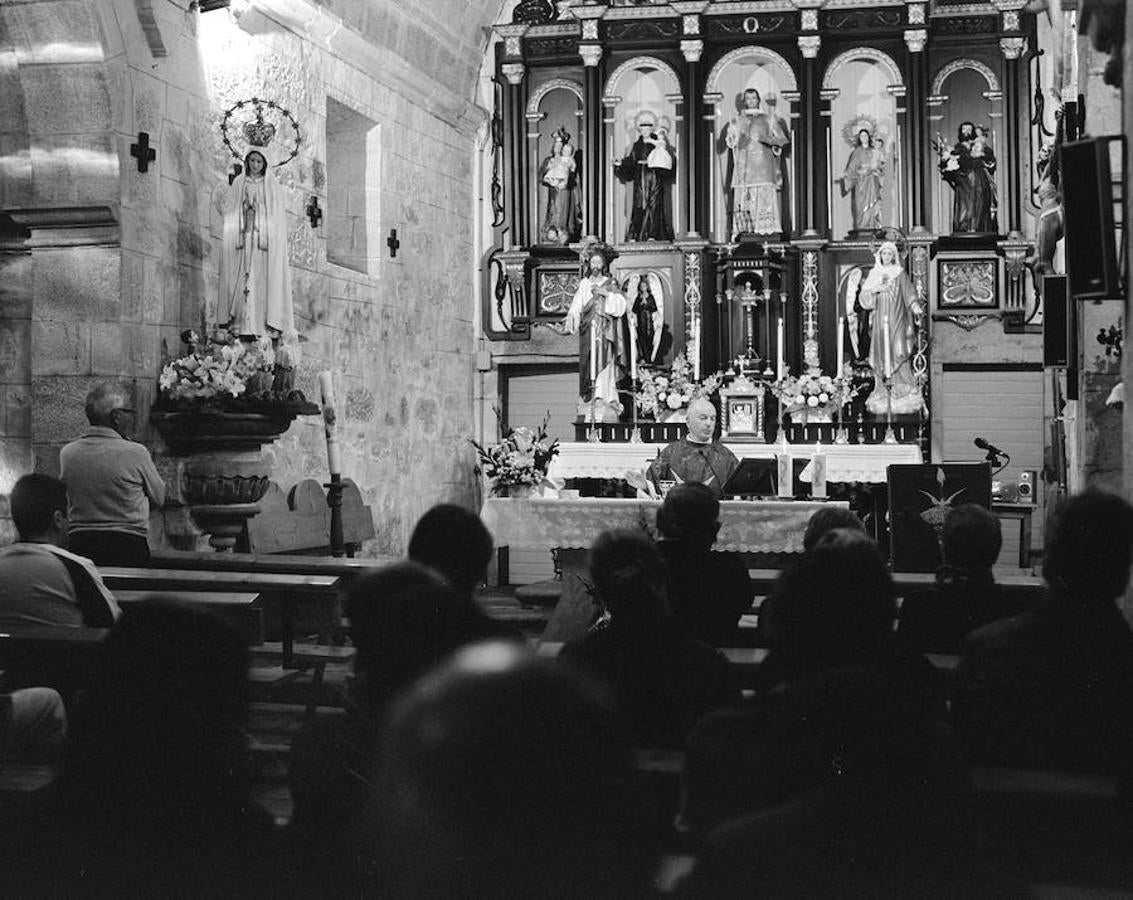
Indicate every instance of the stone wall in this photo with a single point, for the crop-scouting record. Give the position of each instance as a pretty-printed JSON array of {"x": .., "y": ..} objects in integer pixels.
[{"x": 106, "y": 288}]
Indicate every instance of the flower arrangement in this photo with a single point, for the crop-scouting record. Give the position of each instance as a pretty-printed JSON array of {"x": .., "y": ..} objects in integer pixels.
[
  {"x": 521, "y": 458},
  {"x": 665, "y": 392},
  {"x": 813, "y": 391}
]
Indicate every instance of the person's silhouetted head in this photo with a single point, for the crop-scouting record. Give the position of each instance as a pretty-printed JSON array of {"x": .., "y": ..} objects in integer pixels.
[
  {"x": 403, "y": 620},
  {"x": 453, "y": 540},
  {"x": 1088, "y": 548},
  {"x": 827, "y": 519},
  {"x": 107, "y": 404},
  {"x": 506, "y": 776},
  {"x": 690, "y": 514},
  {"x": 972, "y": 538},
  {"x": 836, "y": 604},
  {"x": 628, "y": 572},
  {"x": 39, "y": 509}
]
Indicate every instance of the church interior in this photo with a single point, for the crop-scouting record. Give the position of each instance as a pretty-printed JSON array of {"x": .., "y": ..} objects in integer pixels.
[{"x": 338, "y": 264}]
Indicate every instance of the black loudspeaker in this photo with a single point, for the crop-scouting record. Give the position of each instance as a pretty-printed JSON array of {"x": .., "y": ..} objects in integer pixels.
[
  {"x": 1060, "y": 323},
  {"x": 1087, "y": 206}
]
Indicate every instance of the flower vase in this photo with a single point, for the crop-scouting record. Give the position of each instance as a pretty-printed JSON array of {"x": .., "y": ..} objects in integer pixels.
[{"x": 515, "y": 491}]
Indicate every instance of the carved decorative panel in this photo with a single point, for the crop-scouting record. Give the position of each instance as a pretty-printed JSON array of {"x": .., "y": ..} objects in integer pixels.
[
  {"x": 556, "y": 290},
  {"x": 968, "y": 284}
]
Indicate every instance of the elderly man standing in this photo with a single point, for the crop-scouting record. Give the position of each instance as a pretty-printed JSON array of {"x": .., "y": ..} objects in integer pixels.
[
  {"x": 697, "y": 457},
  {"x": 111, "y": 482}
]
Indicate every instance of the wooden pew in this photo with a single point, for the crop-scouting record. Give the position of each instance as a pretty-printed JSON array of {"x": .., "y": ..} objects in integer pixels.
[
  {"x": 286, "y": 590},
  {"x": 239, "y": 609},
  {"x": 53, "y": 656},
  {"x": 300, "y": 520}
]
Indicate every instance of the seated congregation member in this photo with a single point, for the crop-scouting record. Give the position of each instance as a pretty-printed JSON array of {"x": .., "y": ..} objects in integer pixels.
[
  {"x": 833, "y": 622},
  {"x": 454, "y": 541},
  {"x": 827, "y": 519},
  {"x": 507, "y": 776},
  {"x": 155, "y": 798},
  {"x": 112, "y": 483},
  {"x": 33, "y": 726},
  {"x": 697, "y": 457},
  {"x": 965, "y": 595},
  {"x": 403, "y": 620},
  {"x": 664, "y": 679},
  {"x": 833, "y": 787},
  {"x": 708, "y": 592},
  {"x": 41, "y": 583},
  {"x": 1053, "y": 688}
]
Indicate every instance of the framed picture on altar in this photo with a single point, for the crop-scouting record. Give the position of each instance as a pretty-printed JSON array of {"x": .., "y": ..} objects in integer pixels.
[
  {"x": 968, "y": 284},
  {"x": 741, "y": 412}
]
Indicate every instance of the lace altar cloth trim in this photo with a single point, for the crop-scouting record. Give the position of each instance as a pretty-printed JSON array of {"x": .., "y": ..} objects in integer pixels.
[
  {"x": 844, "y": 462},
  {"x": 542, "y": 524}
]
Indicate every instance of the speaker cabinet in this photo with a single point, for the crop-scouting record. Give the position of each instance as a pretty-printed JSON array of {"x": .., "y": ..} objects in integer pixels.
[
  {"x": 1060, "y": 323},
  {"x": 1087, "y": 203},
  {"x": 1028, "y": 484}
]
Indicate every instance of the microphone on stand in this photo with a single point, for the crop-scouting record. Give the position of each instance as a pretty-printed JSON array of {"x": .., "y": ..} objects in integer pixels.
[{"x": 993, "y": 453}]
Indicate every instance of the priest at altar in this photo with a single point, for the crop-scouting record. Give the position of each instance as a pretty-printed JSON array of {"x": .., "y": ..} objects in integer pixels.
[{"x": 696, "y": 457}]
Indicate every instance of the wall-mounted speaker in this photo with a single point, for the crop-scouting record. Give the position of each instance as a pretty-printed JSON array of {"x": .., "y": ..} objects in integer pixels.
[
  {"x": 1028, "y": 483},
  {"x": 1087, "y": 205},
  {"x": 1060, "y": 324}
]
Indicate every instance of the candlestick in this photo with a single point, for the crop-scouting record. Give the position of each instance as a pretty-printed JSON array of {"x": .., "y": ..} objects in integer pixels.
[
  {"x": 326, "y": 388},
  {"x": 779, "y": 353},
  {"x": 841, "y": 345},
  {"x": 593, "y": 353},
  {"x": 886, "y": 345},
  {"x": 633, "y": 354}
]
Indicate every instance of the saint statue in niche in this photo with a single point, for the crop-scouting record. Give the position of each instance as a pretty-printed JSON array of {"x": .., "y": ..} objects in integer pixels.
[
  {"x": 882, "y": 315},
  {"x": 597, "y": 314},
  {"x": 863, "y": 180},
  {"x": 650, "y": 166},
  {"x": 969, "y": 167},
  {"x": 756, "y": 139},
  {"x": 562, "y": 222},
  {"x": 644, "y": 291},
  {"x": 255, "y": 280}
]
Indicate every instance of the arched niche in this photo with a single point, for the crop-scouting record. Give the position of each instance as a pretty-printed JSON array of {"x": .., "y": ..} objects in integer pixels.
[
  {"x": 965, "y": 90},
  {"x": 555, "y": 108},
  {"x": 866, "y": 175},
  {"x": 640, "y": 87},
  {"x": 735, "y": 72}
]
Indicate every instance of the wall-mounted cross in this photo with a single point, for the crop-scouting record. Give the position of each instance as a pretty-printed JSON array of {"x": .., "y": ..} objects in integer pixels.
[
  {"x": 143, "y": 152},
  {"x": 392, "y": 242},
  {"x": 313, "y": 212}
]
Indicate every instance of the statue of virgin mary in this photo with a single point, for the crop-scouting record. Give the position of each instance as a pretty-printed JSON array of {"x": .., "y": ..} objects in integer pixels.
[{"x": 255, "y": 280}]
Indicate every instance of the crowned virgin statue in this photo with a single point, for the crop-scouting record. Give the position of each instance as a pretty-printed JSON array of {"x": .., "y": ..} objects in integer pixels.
[{"x": 255, "y": 280}]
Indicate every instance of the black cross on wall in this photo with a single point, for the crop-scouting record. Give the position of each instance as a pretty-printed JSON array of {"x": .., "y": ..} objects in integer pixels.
[
  {"x": 143, "y": 152},
  {"x": 313, "y": 212},
  {"x": 392, "y": 242}
]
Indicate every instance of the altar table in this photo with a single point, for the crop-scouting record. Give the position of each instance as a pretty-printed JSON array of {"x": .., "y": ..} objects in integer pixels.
[
  {"x": 746, "y": 526},
  {"x": 844, "y": 462}
]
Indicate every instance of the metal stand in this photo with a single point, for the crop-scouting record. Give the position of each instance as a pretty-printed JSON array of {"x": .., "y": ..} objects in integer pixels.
[
  {"x": 592, "y": 435},
  {"x": 841, "y": 434},
  {"x": 890, "y": 436},
  {"x": 334, "y": 501}
]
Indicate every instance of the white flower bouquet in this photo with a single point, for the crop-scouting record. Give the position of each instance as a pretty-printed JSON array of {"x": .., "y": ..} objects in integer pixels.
[
  {"x": 813, "y": 391},
  {"x": 664, "y": 392},
  {"x": 522, "y": 457}
]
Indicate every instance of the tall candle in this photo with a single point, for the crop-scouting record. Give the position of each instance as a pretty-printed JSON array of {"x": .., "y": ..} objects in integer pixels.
[
  {"x": 841, "y": 345},
  {"x": 888, "y": 349},
  {"x": 786, "y": 475},
  {"x": 818, "y": 473},
  {"x": 593, "y": 354},
  {"x": 633, "y": 353},
  {"x": 780, "y": 355},
  {"x": 326, "y": 388}
]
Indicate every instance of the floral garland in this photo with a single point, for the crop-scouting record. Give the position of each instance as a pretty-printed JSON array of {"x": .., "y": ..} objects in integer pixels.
[
  {"x": 667, "y": 391},
  {"x": 814, "y": 390},
  {"x": 522, "y": 457}
]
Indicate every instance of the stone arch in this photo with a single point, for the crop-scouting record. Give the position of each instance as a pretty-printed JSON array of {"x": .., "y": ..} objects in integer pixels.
[
  {"x": 951, "y": 68},
  {"x": 554, "y": 84},
  {"x": 636, "y": 63}
]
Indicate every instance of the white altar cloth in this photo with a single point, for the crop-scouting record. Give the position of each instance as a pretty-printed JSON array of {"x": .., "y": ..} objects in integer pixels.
[
  {"x": 763, "y": 526},
  {"x": 844, "y": 462}
]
